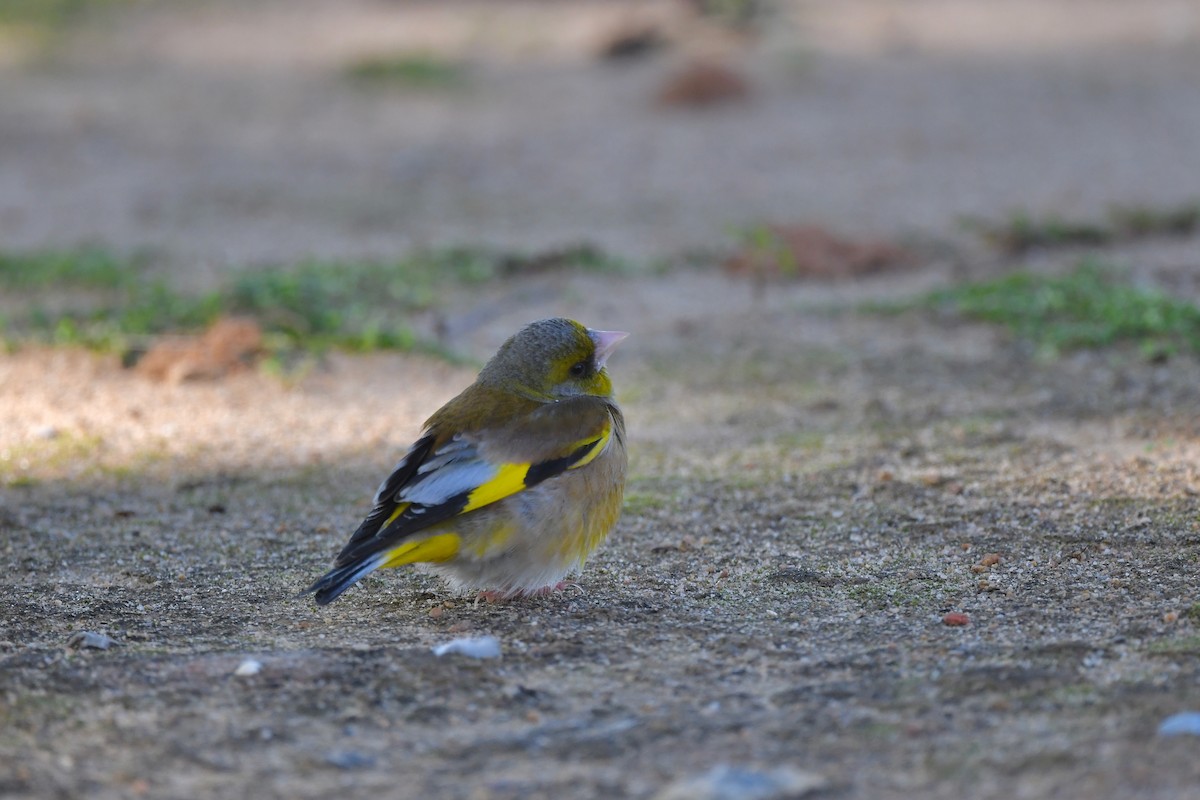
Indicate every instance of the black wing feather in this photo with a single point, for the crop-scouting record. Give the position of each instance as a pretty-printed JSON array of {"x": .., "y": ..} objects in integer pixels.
[
  {"x": 414, "y": 518},
  {"x": 386, "y": 498}
]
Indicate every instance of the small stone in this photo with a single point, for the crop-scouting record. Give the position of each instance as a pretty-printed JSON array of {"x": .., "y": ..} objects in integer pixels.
[
  {"x": 247, "y": 668},
  {"x": 87, "y": 640},
  {"x": 702, "y": 84},
  {"x": 725, "y": 782},
  {"x": 956, "y": 619},
  {"x": 350, "y": 759},
  {"x": 933, "y": 478},
  {"x": 990, "y": 560},
  {"x": 1185, "y": 723},
  {"x": 471, "y": 647}
]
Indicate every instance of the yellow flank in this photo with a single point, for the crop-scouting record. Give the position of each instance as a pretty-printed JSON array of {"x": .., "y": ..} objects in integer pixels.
[
  {"x": 442, "y": 547},
  {"x": 488, "y": 543},
  {"x": 596, "y": 450},
  {"x": 400, "y": 509},
  {"x": 510, "y": 479}
]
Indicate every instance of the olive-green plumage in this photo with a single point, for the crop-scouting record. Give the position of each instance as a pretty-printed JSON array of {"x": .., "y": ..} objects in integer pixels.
[{"x": 514, "y": 482}]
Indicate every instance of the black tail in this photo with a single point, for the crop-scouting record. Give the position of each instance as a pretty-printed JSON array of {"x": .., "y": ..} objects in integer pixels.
[{"x": 330, "y": 586}]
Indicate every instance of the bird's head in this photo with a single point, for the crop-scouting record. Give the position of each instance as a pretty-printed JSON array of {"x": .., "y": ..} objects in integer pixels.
[{"x": 554, "y": 359}]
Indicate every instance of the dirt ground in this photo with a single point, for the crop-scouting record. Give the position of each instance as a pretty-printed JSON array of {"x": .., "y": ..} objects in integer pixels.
[{"x": 813, "y": 488}]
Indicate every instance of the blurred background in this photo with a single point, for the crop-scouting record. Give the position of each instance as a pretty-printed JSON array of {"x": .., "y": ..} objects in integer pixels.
[
  {"x": 176, "y": 161},
  {"x": 236, "y": 133}
]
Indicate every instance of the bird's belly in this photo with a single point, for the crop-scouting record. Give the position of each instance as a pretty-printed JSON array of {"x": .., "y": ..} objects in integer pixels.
[{"x": 535, "y": 538}]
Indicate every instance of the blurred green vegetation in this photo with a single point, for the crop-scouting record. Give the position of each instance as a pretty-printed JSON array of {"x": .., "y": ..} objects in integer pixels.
[
  {"x": 408, "y": 70},
  {"x": 91, "y": 268},
  {"x": 1022, "y": 232},
  {"x": 97, "y": 299},
  {"x": 52, "y": 14},
  {"x": 763, "y": 246},
  {"x": 1092, "y": 306}
]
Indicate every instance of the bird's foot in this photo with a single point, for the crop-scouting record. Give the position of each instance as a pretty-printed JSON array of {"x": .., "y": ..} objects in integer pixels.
[{"x": 545, "y": 591}]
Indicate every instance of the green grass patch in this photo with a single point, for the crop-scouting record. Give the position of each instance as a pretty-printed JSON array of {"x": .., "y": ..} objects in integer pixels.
[
  {"x": 641, "y": 502},
  {"x": 1182, "y": 646},
  {"x": 88, "y": 268},
  {"x": 408, "y": 70},
  {"x": 1092, "y": 306},
  {"x": 1023, "y": 232},
  {"x": 99, "y": 300},
  {"x": 1135, "y": 221},
  {"x": 53, "y": 14},
  {"x": 24, "y": 465}
]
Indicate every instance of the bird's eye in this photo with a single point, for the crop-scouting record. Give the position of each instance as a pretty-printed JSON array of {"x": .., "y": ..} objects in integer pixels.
[{"x": 579, "y": 369}]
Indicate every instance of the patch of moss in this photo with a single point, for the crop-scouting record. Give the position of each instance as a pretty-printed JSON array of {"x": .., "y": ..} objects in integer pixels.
[
  {"x": 1182, "y": 646},
  {"x": 52, "y": 14},
  {"x": 22, "y": 465},
  {"x": 86, "y": 268},
  {"x": 97, "y": 299},
  {"x": 1092, "y": 306},
  {"x": 1023, "y": 232},
  {"x": 408, "y": 70}
]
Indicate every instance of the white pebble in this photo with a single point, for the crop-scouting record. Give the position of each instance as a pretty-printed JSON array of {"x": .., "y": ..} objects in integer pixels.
[
  {"x": 1185, "y": 723},
  {"x": 87, "y": 639},
  {"x": 725, "y": 782},
  {"x": 471, "y": 647},
  {"x": 248, "y": 667}
]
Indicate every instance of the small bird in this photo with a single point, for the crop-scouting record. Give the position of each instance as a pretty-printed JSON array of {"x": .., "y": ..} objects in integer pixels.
[{"x": 513, "y": 483}]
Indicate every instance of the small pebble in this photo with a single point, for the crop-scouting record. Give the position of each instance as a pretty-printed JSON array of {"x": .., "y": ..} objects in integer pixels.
[
  {"x": 248, "y": 667},
  {"x": 350, "y": 759},
  {"x": 724, "y": 782},
  {"x": 471, "y": 647},
  {"x": 86, "y": 640},
  {"x": 956, "y": 619},
  {"x": 1185, "y": 723}
]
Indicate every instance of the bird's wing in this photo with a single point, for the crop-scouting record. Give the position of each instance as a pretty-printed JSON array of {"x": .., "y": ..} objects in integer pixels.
[{"x": 437, "y": 481}]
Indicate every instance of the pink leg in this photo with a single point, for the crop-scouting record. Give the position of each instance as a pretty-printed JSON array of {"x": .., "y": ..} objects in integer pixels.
[{"x": 545, "y": 591}]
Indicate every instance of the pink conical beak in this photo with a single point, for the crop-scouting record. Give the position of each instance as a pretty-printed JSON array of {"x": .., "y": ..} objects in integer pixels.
[{"x": 606, "y": 342}]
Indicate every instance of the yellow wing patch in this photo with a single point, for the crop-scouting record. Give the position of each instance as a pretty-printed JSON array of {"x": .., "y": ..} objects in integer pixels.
[
  {"x": 510, "y": 479},
  {"x": 400, "y": 509},
  {"x": 442, "y": 547},
  {"x": 596, "y": 449}
]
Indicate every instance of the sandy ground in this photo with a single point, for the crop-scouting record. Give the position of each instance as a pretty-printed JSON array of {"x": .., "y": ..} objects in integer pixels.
[{"x": 812, "y": 488}]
